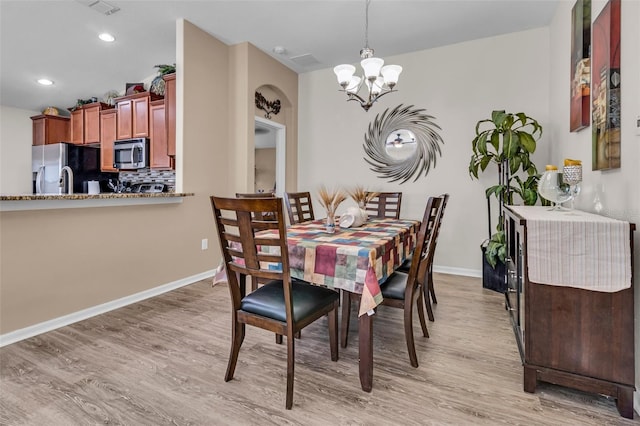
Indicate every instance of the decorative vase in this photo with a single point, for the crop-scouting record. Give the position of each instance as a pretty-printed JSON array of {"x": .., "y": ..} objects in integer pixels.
[
  {"x": 157, "y": 86},
  {"x": 330, "y": 223}
]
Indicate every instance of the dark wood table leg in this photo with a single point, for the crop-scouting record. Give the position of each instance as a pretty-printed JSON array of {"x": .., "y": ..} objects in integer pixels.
[{"x": 365, "y": 341}]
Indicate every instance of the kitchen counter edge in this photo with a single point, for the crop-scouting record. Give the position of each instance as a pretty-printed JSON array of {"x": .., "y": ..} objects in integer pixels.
[{"x": 51, "y": 201}]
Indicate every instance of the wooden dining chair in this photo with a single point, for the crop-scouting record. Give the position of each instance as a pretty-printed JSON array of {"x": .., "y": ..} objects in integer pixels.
[
  {"x": 299, "y": 207},
  {"x": 280, "y": 305},
  {"x": 435, "y": 221},
  {"x": 402, "y": 290},
  {"x": 257, "y": 195},
  {"x": 386, "y": 205}
]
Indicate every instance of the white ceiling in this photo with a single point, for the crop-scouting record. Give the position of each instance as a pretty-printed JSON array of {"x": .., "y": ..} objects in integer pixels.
[{"x": 58, "y": 39}]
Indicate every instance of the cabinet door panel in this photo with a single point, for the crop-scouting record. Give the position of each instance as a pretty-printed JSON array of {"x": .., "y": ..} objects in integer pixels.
[
  {"x": 170, "y": 112},
  {"x": 158, "y": 156},
  {"x": 92, "y": 124},
  {"x": 140, "y": 117},
  {"x": 124, "y": 121},
  {"x": 77, "y": 126},
  {"x": 107, "y": 136}
]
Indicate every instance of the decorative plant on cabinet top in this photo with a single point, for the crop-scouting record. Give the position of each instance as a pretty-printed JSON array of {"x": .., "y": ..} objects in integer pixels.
[{"x": 507, "y": 140}]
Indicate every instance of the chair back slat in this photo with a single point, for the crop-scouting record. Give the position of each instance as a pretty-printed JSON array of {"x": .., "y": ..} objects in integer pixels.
[
  {"x": 421, "y": 251},
  {"x": 299, "y": 207},
  {"x": 253, "y": 195},
  {"x": 244, "y": 250},
  {"x": 386, "y": 205},
  {"x": 433, "y": 218}
]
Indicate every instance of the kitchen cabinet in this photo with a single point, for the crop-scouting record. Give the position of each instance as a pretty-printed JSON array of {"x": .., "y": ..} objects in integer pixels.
[
  {"x": 85, "y": 123},
  {"x": 133, "y": 115},
  {"x": 158, "y": 157},
  {"x": 107, "y": 137},
  {"x": 48, "y": 129},
  {"x": 571, "y": 335},
  {"x": 170, "y": 111}
]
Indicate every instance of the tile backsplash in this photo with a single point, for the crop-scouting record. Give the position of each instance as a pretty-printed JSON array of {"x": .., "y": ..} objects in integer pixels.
[{"x": 168, "y": 177}]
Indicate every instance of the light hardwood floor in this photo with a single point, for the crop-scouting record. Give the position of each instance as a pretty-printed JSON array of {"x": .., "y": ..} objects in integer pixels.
[{"x": 162, "y": 361}]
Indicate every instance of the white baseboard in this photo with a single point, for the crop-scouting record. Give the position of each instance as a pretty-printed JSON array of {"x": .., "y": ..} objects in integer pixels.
[
  {"x": 458, "y": 271},
  {"x": 43, "y": 327}
]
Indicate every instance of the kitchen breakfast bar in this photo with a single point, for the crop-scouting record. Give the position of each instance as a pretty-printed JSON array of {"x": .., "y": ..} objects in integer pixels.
[{"x": 67, "y": 201}]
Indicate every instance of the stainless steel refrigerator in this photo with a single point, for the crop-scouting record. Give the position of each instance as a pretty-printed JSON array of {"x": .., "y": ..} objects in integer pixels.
[{"x": 48, "y": 163}]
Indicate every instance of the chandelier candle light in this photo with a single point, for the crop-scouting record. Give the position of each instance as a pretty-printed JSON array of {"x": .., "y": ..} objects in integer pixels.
[{"x": 378, "y": 79}]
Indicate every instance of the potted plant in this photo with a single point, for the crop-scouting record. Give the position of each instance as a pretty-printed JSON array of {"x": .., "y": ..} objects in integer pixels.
[
  {"x": 506, "y": 140},
  {"x": 157, "y": 85}
]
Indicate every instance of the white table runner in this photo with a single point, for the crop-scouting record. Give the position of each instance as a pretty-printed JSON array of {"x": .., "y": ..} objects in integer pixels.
[{"x": 577, "y": 249}]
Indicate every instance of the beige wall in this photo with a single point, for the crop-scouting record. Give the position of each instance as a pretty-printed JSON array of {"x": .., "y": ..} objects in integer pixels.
[
  {"x": 459, "y": 85},
  {"x": 57, "y": 262},
  {"x": 15, "y": 150},
  {"x": 265, "y": 169}
]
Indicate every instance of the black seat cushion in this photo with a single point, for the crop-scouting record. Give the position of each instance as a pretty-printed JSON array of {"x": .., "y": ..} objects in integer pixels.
[
  {"x": 394, "y": 286},
  {"x": 268, "y": 300},
  {"x": 406, "y": 265}
]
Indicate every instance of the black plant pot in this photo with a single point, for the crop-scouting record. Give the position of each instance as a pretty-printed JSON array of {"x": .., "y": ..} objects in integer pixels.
[{"x": 493, "y": 278}]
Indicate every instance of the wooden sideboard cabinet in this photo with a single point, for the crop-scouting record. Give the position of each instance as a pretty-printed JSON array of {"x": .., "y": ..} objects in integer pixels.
[
  {"x": 569, "y": 336},
  {"x": 48, "y": 129}
]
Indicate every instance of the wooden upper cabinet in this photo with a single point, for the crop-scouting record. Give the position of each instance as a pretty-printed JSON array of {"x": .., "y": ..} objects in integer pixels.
[
  {"x": 77, "y": 126},
  {"x": 92, "y": 122},
  {"x": 48, "y": 129},
  {"x": 107, "y": 137},
  {"x": 158, "y": 157},
  {"x": 85, "y": 123},
  {"x": 133, "y": 115},
  {"x": 170, "y": 111}
]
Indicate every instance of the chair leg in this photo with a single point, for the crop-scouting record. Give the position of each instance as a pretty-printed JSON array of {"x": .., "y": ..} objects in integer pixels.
[
  {"x": 427, "y": 302},
  {"x": 431, "y": 289},
  {"x": 408, "y": 332},
  {"x": 423, "y": 323},
  {"x": 236, "y": 342},
  {"x": 290, "y": 364},
  {"x": 346, "y": 313},
  {"x": 333, "y": 333}
]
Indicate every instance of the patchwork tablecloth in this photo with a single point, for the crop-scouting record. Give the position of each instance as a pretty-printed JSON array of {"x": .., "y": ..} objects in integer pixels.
[{"x": 353, "y": 259}]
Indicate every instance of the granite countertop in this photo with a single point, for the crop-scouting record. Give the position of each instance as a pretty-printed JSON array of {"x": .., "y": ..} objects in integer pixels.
[{"x": 102, "y": 196}]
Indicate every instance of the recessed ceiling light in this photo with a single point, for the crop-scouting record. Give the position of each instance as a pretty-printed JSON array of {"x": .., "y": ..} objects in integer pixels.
[
  {"x": 45, "y": 82},
  {"x": 107, "y": 37},
  {"x": 280, "y": 50}
]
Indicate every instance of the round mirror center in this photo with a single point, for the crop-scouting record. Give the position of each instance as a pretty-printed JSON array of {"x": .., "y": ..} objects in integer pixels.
[{"x": 401, "y": 144}]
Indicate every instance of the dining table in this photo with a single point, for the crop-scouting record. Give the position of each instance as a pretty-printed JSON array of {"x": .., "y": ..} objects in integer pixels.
[{"x": 356, "y": 260}]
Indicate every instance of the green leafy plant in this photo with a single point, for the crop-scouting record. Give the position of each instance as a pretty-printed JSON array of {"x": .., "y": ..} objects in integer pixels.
[
  {"x": 165, "y": 68},
  {"x": 506, "y": 140}
]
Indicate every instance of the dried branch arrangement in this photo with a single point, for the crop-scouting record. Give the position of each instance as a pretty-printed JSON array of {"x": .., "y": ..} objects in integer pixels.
[
  {"x": 330, "y": 200},
  {"x": 361, "y": 196}
]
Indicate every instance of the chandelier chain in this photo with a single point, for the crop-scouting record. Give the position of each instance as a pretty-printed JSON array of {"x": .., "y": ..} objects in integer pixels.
[{"x": 366, "y": 25}]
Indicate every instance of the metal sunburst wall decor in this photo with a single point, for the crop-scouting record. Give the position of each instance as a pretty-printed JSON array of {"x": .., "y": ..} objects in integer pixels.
[
  {"x": 402, "y": 143},
  {"x": 269, "y": 107}
]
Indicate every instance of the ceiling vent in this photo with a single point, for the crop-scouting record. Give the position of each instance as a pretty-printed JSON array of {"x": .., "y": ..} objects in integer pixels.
[
  {"x": 100, "y": 6},
  {"x": 305, "y": 60}
]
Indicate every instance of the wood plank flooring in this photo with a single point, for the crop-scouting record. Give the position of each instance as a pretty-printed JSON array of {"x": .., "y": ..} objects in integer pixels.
[{"x": 162, "y": 361}]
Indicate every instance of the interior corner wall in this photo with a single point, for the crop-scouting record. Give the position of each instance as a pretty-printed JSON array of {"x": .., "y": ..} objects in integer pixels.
[
  {"x": 617, "y": 189},
  {"x": 61, "y": 261},
  {"x": 16, "y": 134},
  {"x": 459, "y": 85},
  {"x": 241, "y": 132},
  {"x": 264, "y": 70}
]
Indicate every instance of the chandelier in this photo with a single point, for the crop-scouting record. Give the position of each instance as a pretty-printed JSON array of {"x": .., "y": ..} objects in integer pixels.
[{"x": 377, "y": 79}]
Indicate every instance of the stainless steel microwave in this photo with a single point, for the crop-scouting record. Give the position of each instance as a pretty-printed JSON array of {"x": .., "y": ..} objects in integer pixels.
[{"x": 131, "y": 154}]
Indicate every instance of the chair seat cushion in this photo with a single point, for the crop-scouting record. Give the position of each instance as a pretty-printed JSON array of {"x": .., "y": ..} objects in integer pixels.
[
  {"x": 394, "y": 286},
  {"x": 406, "y": 265},
  {"x": 268, "y": 300}
]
